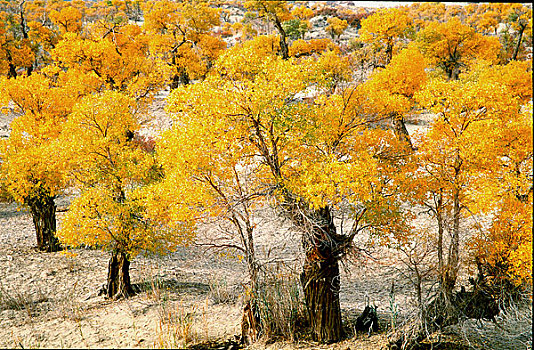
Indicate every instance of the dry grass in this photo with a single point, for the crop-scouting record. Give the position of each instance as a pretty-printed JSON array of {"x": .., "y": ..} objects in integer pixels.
[{"x": 21, "y": 300}]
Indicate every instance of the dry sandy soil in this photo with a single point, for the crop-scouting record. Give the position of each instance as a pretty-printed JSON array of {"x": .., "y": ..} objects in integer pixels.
[{"x": 50, "y": 300}]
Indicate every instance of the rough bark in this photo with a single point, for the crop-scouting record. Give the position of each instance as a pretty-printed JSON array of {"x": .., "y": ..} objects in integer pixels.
[
  {"x": 518, "y": 45},
  {"x": 251, "y": 325},
  {"x": 320, "y": 279},
  {"x": 400, "y": 129},
  {"x": 118, "y": 283},
  {"x": 43, "y": 210}
]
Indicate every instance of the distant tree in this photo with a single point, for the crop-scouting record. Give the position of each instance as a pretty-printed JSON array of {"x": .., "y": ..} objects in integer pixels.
[
  {"x": 452, "y": 45},
  {"x": 336, "y": 27},
  {"x": 180, "y": 35},
  {"x": 385, "y": 28},
  {"x": 277, "y": 12}
]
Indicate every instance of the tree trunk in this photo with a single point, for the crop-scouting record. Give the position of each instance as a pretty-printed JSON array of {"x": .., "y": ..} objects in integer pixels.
[
  {"x": 518, "y": 45},
  {"x": 400, "y": 129},
  {"x": 283, "y": 35},
  {"x": 118, "y": 284},
  {"x": 320, "y": 280},
  {"x": 453, "y": 262},
  {"x": 181, "y": 78},
  {"x": 389, "y": 52},
  {"x": 251, "y": 325},
  {"x": 43, "y": 210}
]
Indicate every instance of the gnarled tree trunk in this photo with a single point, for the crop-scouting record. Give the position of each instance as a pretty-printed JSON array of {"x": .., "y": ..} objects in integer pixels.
[
  {"x": 320, "y": 279},
  {"x": 118, "y": 284},
  {"x": 400, "y": 130},
  {"x": 43, "y": 210}
]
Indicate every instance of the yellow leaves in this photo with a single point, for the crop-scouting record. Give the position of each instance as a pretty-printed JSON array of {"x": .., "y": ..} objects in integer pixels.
[
  {"x": 385, "y": 26},
  {"x": 68, "y": 19},
  {"x": 451, "y": 44},
  {"x": 405, "y": 75},
  {"x": 270, "y": 9},
  {"x": 302, "y": 47},
  {"x": 336, "y": 26},
  {"x": 507, "y": 245}
]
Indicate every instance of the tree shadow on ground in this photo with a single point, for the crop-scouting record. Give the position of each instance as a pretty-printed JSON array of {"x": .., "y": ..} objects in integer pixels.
[{"x": 172, "y": 284}]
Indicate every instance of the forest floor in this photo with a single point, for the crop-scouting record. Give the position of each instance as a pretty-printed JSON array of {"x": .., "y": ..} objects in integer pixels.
[{"x": 192, "y": 296}]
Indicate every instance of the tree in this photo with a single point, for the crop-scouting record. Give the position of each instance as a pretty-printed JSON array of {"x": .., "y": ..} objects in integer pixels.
[
  {"x": 450, "y": 179},
  {"x": 33, "y": 167},
  {"x": 397, "y": 84},
  {"x": 180, "y": 36},
  {"x": 520, "y": 18},
  {"x": 336, "y": 27},
  {"x": 114, "y": 56},
  {"x": 15, "y": 47},
  {"x": 300, "y": 24},
  {"x": 451, "y": 45},
  {"x": 502, "y": 249},
  {"x": 309, "y": 47},
  {"x": 109, "y": 165},
  {"x": 307, "y": 157},
  {"x": 276, "y": 12},
  {"x": 385, "y": 28}
]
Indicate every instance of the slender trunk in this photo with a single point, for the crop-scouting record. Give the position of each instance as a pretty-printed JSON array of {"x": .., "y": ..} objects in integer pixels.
[
  {"x": 251, "y": 325},
  {"x": 283, "y": 42},
  {"x": 389, "y": 52},
  {"x": 43, "y": 210},
  {"x": 453, "y": 258},
  {"x": 518, "y": 45},
  {"x": 439, "y": 218},
  {"x": 118, "y": 284},
  {"x": 320, "y": 280}
]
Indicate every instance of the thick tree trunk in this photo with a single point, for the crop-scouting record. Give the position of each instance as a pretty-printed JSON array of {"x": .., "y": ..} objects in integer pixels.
[
  {"x": 400, "y": 129},
  {"x": 118, "y": 284},
  {"x": 43, "y": 210},
  {"x": 320, "y": 280}
]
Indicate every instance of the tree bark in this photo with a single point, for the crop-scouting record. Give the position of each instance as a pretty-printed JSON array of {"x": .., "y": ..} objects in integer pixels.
[
  {"x": 400, "y": 129},
  {"x": 118, "y": 284},
  {"x": 320, "y": 280},
  {"x": 283, "y": 35},
  {"x": 518, "y": 45},
  {"x": 43, "y": 210},
  {"x": 453, "y": 263}
]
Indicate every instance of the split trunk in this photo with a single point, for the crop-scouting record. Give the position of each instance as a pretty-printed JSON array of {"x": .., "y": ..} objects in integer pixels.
[{"x": 118, "y": 284}]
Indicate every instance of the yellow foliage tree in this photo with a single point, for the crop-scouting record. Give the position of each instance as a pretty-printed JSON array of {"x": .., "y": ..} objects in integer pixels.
[
  {"x": 180, "y": 35},
  {"x": 452, "y": 46},
  {"x": 464, "y": 159},
  {"x": 336, "y": 27},
  {"x": 385, "y": 28},
  {"x": 277, "y": 12},
  {"x": 395, "y": 86},
  {"x": 308, "y": 157},
  {"x": 33, "y": 167},
  {"x": 109, "y": 164}
]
